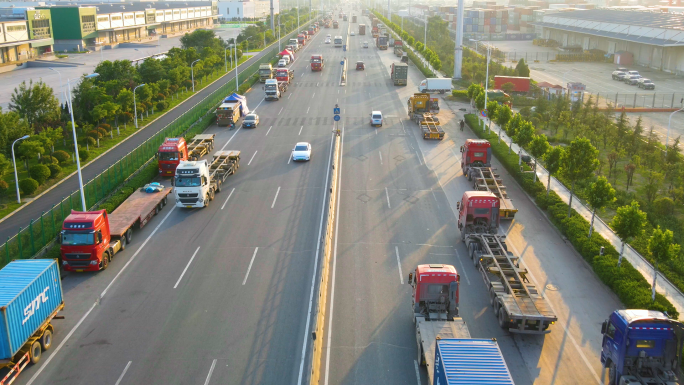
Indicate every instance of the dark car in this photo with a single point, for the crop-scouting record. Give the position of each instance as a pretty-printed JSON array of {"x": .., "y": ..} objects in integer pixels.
[
  {"x": 251, "y": 120},
  {"x": 360, "y": 65},
  {"x": 646, "y": 84}
]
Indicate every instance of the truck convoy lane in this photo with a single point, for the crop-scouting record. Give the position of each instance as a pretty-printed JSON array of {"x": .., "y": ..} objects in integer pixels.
[
  {"x": 89, "y": 240},
  {"x": 30, "y": 298},
  {"x": 197, "y": 182},
  {"x": 516, "y": 302},
  {"x": 641, "y": 347},
  {"x": 445, "y": 347}
]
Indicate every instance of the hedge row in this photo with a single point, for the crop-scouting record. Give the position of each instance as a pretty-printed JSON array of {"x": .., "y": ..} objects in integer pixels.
[{"x": 630, "y": 286}]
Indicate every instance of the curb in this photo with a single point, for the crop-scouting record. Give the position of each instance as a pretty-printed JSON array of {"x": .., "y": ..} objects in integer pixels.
[{"x": 319, "y": 332}]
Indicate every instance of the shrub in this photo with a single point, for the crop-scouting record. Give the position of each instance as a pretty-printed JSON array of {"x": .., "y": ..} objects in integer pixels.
[
  {"x": 460, "y": 94},
  {"x": 4, "y": 187},
  {"x": 54, "y": 170},
  {"x": 48, "y": 159},
  {"x": 61, "y": 156},
  {"x": 28, "y": 186},
  {"x": 83, "y": 154},
  {"x": 106, "y": 127},
  {"x": 663, "y": 206},
  {"x": 161, "y": 105},
  {"x": 95, "y": 134},
  {"x": 160, "y": 96},
  {"x": 39, "y": 172},
  {"x": 102, "y": 132},
  {"x": 90, "y": 140}
]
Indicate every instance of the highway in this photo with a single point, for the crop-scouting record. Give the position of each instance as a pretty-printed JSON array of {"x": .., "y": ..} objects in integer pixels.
[
  {"x": 218, "y": 295},
  {"x": 397, "y": 198}
]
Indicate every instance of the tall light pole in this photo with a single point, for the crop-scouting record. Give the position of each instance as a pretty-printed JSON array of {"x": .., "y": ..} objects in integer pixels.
[
  {"x": 61, "y": 96},
  {"x": 225, "y": 58},
  {"x": 425, "y": 16},
  {"x": 458, "y": 49},
  {"x": 237, "y": 84},
  {"x": 487, "y": 81},
  {"x": 16, "y": 177},
  {"x": 192, "y": 74},
  {"x": 73, "y": 130},
  {"x": 669, "y": 122},
  {"x": 135, "y": 108}
]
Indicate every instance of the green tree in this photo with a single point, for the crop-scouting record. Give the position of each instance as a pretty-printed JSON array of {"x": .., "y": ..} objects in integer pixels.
[
  {"x": 538, "y": 148},
  {"x": 492, "y": 108},
  {"x": 523, "y": 137},
  {"x": 508, "y": 87},
  {"x": 503, "y": 116},
  {"x": 36, "y": 103},
  {"x": 30, "y": 148},
  {"x": 5, "y": 165},
  {"x": 512, "y": 129},
  {"x": 151, "y": 70},
  {"x": 522, "y": 69},
  {"x": 579, "y": 161},
  {"x": 601, "y": 194},
  {"x": 654, "y": 181},
  {"x": 663, "y": 249},
  {"x": 628, "y": 223},
  {"x": 480, "y": 102},
  {"x": 202, "y": 38},
  {"x": 553, "y": 160}
]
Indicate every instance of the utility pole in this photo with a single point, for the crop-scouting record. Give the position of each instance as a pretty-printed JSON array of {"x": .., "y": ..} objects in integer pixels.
[
  {"x": 389, "y": 11},
  {"x": 272, "y": 21},
  {"x": 458, "y": 50},
  {"x": 425, "y": 40}
]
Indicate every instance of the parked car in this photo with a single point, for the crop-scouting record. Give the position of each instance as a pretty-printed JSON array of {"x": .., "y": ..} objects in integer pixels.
[
  {"x": 360, "y": 66},
  {"x": 282, "y": 63},
  {"x": 353, "y": 33},
  {"x": 632, "y": 79},
  {"x": 302, "y": 151},
  {"x": 646, "y": 84},
  {"x": 327, "y": 40},
  {"x": 365, "y": 44},
  {"x": 251, "y": 120},
  {"x": 619, "y": 75},
  {"x": 632, "y": 73},
  {"x": 376, "y": 118},
  {"x": 287, "y": 59}
]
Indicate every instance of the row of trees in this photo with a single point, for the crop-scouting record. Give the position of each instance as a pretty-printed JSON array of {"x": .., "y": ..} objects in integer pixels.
[
  {"x": 260, "y": 34},
  {"x": 579, "y": 163}
]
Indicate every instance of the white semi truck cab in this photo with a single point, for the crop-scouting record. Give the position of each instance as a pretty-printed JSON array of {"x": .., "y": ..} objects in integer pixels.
[{"x": 196, "y": 182}]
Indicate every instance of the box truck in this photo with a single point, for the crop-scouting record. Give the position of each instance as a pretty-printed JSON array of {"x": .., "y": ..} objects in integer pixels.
[{"x": 440, "y": 85}]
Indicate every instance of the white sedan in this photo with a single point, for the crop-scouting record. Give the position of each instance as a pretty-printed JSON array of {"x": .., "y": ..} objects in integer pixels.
[
  {"x": 302, "y": 151},
  {"x": 353, "y": 33}
]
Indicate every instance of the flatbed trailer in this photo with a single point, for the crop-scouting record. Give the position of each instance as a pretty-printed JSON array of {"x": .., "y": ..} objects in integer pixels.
[
  {"x": 431, "y": 128},
  {"x": 516, "y": 301},
  {"x": 485, "y": 179},
  {"x": 223, "y": 164},
  {"x": 138, "y": 209},
  {"x": 200, "y": 146}
]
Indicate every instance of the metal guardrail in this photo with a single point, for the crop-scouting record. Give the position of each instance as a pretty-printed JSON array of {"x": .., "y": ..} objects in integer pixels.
[{"x": 40, "y": 232}]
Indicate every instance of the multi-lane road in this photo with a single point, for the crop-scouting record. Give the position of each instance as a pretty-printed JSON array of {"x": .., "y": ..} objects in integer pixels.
[{"x": 221, "y": 295}]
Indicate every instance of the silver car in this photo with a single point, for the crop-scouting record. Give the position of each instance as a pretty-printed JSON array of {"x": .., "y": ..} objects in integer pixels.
[{"x": 632, "y": 80}]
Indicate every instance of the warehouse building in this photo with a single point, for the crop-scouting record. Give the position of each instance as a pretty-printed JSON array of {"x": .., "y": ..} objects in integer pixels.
[
  {"x": 25, "y": 35},
  {"x": 98, "y": 26},
  {"x": 650, "y": 39}
]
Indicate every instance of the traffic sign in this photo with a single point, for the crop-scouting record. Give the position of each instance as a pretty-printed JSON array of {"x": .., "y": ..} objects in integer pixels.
[
  {"x": 342, "y": 63},
  {"x": 337, "y": 118},
  {"x": 344, "y": 48},
  {"x": 484, "y": 113},
  {"x": 336, "y": 110}
]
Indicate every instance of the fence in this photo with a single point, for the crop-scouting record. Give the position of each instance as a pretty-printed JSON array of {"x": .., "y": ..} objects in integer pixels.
[
  {"x": 42, "y": 231},
  {"x": 640, "y": 100}
]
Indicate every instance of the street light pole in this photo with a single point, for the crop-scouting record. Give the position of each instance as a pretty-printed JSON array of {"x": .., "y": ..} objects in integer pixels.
[
  {"x": 135, "y": 109},
  {"x": 225, "y": 58},
  {"x": 237, "y": 84},
  {"x": 16, "y": 177},
  {"x": 669, "y": 122},
  {"x": 192, "y": 74}
]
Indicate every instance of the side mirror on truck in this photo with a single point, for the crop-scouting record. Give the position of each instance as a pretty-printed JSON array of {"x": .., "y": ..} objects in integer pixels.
[
  {"x": 458, "y": 206},
  {"x": 604, "y": 327},
  {"x": 410, "y": 280}
]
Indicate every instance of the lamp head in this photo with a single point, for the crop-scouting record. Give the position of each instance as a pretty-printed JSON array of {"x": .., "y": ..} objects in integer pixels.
[
  {"x": 24, "y": 137},
  {"x": 93, "y": 75}
]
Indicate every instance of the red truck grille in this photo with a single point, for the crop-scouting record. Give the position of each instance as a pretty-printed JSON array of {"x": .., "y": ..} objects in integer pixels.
[{"x": 71, "y": 256}]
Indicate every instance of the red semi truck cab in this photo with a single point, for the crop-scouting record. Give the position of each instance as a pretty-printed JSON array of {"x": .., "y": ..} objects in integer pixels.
[
  {"x": 283, "y": 75},
  {"x": 476, "y": 153},
  {"x": 301, "y": 39},
  {"x": 84, "y": 239},
  {"x": 478, "y": 212},
  {"x": 435, "y": 285},
  {"x": 317, "y": 62},
  {"x": 170, "y": 154},
  {"x": 312, "y": 30}
]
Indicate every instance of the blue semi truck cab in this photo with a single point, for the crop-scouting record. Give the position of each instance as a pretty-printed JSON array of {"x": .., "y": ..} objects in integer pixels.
[{"x": 641, "y": 347}]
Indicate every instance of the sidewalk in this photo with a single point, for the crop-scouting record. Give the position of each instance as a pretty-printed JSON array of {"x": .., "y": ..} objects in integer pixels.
[{"x": 663, "y": 286}]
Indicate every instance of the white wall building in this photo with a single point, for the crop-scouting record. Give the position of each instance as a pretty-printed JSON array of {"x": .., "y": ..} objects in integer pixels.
[{"x": 250, "y": 9}]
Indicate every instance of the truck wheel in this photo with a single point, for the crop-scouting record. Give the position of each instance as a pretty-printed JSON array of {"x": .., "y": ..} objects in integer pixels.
[
  {"x": 129, "y": 236},
  {"x": 612, "y": 373},
  {"x": 164, "y": 201},
  {"x": 211, "y": 195},
  {"x": 218, "y": 186},
  {"x": 46, "y": 339},
  {"x": 503, "y": 323},
  {"x": 35, "y": 352},
  {"x": 123, "y": 243},
  {"x": 105, "y": 261}
]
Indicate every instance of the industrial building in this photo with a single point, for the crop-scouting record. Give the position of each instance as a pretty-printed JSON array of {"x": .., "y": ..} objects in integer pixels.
[
  {"x": 247, "y": 10},
  {"x": 649, "y": 39},
  {"x": 24, "y": 36}
]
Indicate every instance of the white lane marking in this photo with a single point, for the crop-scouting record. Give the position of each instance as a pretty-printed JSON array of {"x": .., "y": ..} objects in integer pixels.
[
  {"x": 314, "y": 94},
  {"x": 415, "y": 364},
  {"x": 275, "y": 197},
  {"x": 186, "y": 267},
  {"x": 572, "y": 339},
  {"x": 289, "y": 159},
  {"x": 54, "y": 352},
  {"x": 307, "y": 110},
  {"x": 281, "y": 110},
  {"x": 300, "y": 130},
  {"x": 376, "y": 131},
  {"x": 315, "y": 269},
  {"x": 252, "y": 158},
  {"x": 288, "y": 96},
  {"x": 419, "y": 160},
  {"x": 123, "y": 373},
  {"x": 229, "y": 195},
  {"x": 255, "y": 108},
  {"x": 135, "y": 254},
  {"x": 344, "y": 111},
  {"x": 387, "y": 195},
  {"x": 435, "y": 197},
  {"x": 334, "y": 265},
  {"x": 369, "y": 95},
  {"x": 231, "y": 138},
  {"x": 211, "y": 370},
  {"x": 458, "y": 256},
  {"x": 316, "y": 86},
  {"x": 250, "y": 266},
  {"x": 401, "y": 275},
  {"x": 338, "y": 92},
  {"x": 380, "y": 153},
  {"x": 269, "y": 130}
]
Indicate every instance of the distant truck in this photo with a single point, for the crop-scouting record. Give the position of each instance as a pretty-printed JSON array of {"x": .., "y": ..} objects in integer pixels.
[
  {"x": 301, "y": 39},
  {"x": 273, "y": 89},
  {"x": 335, "y": 24},
  {"x": 232, "y": 109},
  {"x": 284, "y": 75},
  {"x": 170, "y": 153},
  {"x": 398, "y": 48},
  {"x": 440, "y": 85},
  {"x": 399, "y": 73},
  {"x": 317, "y": 62},
  {"x": 641, "y": 347},
  {"x": 382, "y": 42},
  {"x": 517, "y": 303},
  {"x": 89, "y": 240},
  {"x": 520, "y": 84},
  {"x": 362, "y": 29},
  {"x": 197, "y": 182},
  {"x": 30, "y": 298},
  {"x": 353, "y": 19},
  {"x": 265, "y": 72},
  {"x": 445, "y": 347}
]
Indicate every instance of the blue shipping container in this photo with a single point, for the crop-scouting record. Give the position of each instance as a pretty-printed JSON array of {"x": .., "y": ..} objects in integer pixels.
[
  {"x": 30, "y": 292},
  {"x": 460, "y": 361}
]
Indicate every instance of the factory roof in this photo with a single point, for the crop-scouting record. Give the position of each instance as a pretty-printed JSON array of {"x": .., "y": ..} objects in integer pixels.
[
  {"x": 137, "y": 6},
  {"x": 635, "y": 17}
]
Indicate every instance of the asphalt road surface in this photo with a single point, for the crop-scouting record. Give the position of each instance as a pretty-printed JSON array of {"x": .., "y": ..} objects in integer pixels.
[
  {"x": 218, "y": 295},
  {"x": 397, "y": 197}
]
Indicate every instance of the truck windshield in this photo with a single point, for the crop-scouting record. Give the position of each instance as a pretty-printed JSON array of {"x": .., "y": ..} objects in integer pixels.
[
  {"x": 77, "y": 238},
  {"x": 185, "y": 181},
  {"x": 168, "y": 156}
]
